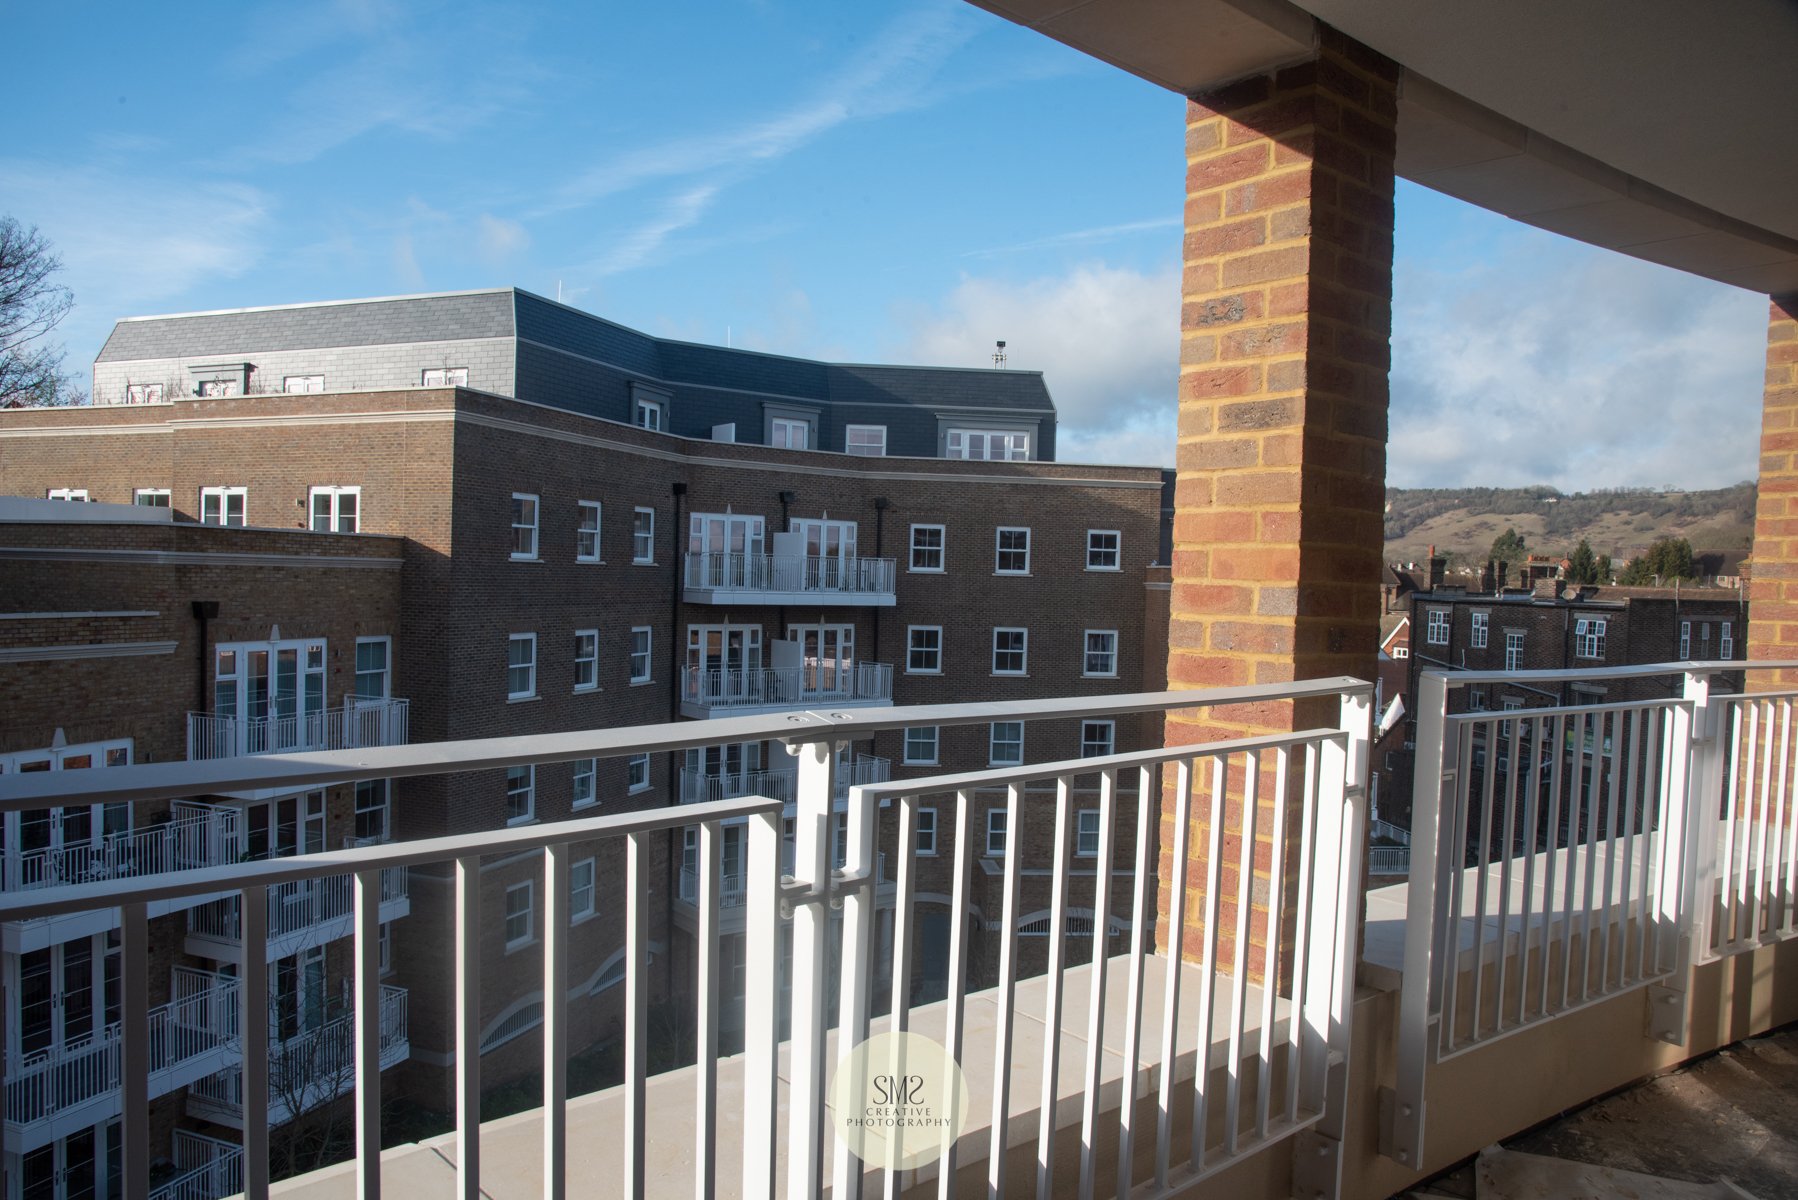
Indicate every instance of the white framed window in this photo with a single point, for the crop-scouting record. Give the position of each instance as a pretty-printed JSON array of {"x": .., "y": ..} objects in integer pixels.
[
  {"x": 1104, "y": 550},
  {"x": 1101, "y": 659},
  {"x": 1481, "y": 626},
  {"x": 1011, "y": 651},
  {"x": 927, "y": 547},
  {"x": 373, "y": 812},
  {"x": 642, "y": 636},
  {"x": 996, "y": 821},
  {"x": 583, "y": 877},
  {"x": 1509, "y": 704},
  {"x": 1011, "y": 551},
  {"x": 1086, "y": 833},
  {"x": 637, "y": 772},
  {"x": 386, "y": 938},
  {"x": 586, "y": 660},
  {"x": 223, "y": 505},
  {"x": 921, "y": 746},
  {"x": 66, "y": 494},
  {"x": 1005, "y": 744},
  {"x": 1513, "y": 649},
  {"x": 150, "y": 497},
  {"x": 643, "y": 536},
  {"x": 336, "y": 509},
  {"x": 1476, "y": 700},
  {"x": 869, "y": 440},
  {"x": 650, "y": 414},
  {"x": 524, "y": 526},
  {"x": 143, "y": 393},
  {"x": 1588, "y": 637},
  {"x": 445, "y": 377},
  {"x": 1401, "y": 652},
  {"x": 790, "y": 433},
  {"x": 298, "y": 385},
  {"x": 586, "y": 776},
  {"x": 1098, "y": 738},
  {"x": 1726, "y": 642},
  {"x": 213, "y": 389},
  {"x": 521, "y": 914},
  {"x": 521, "y": 794},
  {"x": 374, "y": 668},
  {"x": 521, "y": 666},
  {"x": 924, "y": 650},
  {"x": 586, "y": 534},
  {"x": 926, "y": 830},
  {"x": 992, "y": 445},
  {"x": 1685, "y": 639},
  {"x": 1436, "y": 631}
]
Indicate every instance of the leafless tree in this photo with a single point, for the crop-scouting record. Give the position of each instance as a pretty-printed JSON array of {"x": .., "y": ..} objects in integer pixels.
[{"x": 31, "y": 305}]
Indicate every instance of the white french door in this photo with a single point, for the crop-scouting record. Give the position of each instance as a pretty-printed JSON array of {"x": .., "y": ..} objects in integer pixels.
[
  {"x": 723, "y": 660},
  {"x": 829, "y": 550},
  {"x": 728, "y": 547},
  {"x": 275, "y": 692},
  {"x": 67, "y": 994},
  {"x": 827, "y": 656}
]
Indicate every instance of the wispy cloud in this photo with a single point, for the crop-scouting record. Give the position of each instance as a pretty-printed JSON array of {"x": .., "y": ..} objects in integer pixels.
[
  {"x": 1081, "y": 237},
  {"x": 641, "y": 245},
  {"x": 892, "y": 76}
]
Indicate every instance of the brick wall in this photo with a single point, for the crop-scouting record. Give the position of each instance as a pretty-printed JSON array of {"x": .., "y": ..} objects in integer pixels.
[{"x": 1775, "y": 572}]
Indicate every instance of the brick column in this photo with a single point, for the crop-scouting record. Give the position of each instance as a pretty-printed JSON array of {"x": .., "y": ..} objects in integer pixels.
[
  {"x": 1285, "y": 349},
  {"x": 1773, "y": 578}
]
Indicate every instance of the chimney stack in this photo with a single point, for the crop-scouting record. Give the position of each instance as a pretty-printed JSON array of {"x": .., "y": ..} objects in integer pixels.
[{"x": 1438, "y": 568}]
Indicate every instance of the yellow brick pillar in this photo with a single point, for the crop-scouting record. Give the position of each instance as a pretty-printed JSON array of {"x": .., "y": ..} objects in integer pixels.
[
  {"x": 1285, "y": 350},
  {"x": 1773, "y": 570}
]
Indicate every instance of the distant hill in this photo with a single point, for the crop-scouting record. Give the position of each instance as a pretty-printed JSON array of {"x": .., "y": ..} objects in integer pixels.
[{"x": 1622, "y": 523}]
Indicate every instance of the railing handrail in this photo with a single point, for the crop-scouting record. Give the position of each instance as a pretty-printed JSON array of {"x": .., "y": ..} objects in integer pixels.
[
  {"x": 1456, "y": 679},
  {"x": 171, "y": 780}
]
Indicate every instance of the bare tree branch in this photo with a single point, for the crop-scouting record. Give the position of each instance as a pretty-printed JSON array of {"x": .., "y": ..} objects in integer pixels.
[{"x": 31, "y": 305}]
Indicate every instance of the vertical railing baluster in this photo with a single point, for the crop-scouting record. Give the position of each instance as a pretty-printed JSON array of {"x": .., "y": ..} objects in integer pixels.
[
  {"x": 1488, "y": 786},
  {"x": 252, "y": 1021},
  {"x": 1095, "y": 1011},
  {"x": 1007, "y": 994},
  {"x": 468, "y": 1028},
  {"x": 1175, "y": 938},
  {"x": 1208, "y": 939},
  {"x": 366, "y": 945},
  {"x": 1461, "y": 803},
  {"x": 1528, "y": 779},
  {"x": 1736, "y": 801},
  {"x": 1632, "y": 798},
  {"x": 1508, "y": 732},
  {"x": 1594, "y": 822},
  {"x": 1270, "y": 958},
  {"x": 954, "y": 1019},
  {"x": 905, "y": 886},
  {"x": 1148, "y": 782},
  {"x": 1789, "y": 823},
  {"x": 134, "y": 1069},
  {"x": 555, "y": 1021},
  {"x": 1052, "y": 990},
  {"x": 761, "y": 992},
  {"x": 705, "y": 1109},
  {"x": 1551, "y": 832},
  {"x": 1297, "y": 1047},
  {"x": 1575, "y": 801},
  {"x": 810, "y": 933},
  {"x": 1763, "y": 831},
  {"x": 1239, "y": 961},
  {"x": 852, "y": 969},
  {"x": 636, "y": 1011},
  {"x": 1606, "y": 914}
]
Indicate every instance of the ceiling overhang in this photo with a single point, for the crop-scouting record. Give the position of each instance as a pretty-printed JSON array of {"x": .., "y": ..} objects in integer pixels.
[{"x": 1655, "y": 128}]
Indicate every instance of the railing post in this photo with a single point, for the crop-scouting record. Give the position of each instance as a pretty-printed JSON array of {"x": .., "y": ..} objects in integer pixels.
[
  {"x": 1687, "y": 853},
  {"x": 761, "y": 1017},
  {"x": 1429, "y": 927},
  {"x": 811, "y": 933}
]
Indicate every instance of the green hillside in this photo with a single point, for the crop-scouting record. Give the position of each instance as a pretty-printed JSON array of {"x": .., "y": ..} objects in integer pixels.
[{"x": 1621, "y": 523}]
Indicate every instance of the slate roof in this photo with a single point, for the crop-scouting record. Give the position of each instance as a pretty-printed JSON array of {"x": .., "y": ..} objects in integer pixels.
[{"x": 444, "y": 317}]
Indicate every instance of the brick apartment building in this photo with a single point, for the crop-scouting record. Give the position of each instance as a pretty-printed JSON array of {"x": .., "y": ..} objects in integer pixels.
[{"x": 583, "y": 527}]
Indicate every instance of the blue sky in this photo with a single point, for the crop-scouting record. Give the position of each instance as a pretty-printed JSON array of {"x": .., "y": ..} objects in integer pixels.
[{"x": 906, "y": 182}]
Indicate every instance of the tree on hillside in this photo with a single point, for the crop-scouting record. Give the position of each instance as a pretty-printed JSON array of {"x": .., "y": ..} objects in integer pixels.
[
  {"x": 1582, "y": 564},
  {"x": 1509, "y": 547},
  {"x": 1668, "y": 559},
  {"x": 31, "y": 305}
]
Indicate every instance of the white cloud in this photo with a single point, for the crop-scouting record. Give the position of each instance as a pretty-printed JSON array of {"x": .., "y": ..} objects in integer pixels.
[
  {"x": 1081, "y": 237},
  {"x": 1107, "y": 340},
  {"x": 500, "y": 240},
  {"x": 643, "y": 244},
  {"x": 1559, "y": 363}
]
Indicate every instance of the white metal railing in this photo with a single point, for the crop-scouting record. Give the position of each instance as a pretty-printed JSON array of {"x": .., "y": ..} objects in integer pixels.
[
  {"x": 778, "y": 784},
  {"x": 792, "y": 687},
  {"x": 310, "y": 1068},
  {"x": 1563, "y": 856},
  {"x": 206, "y": 1167},
  {"x": 1393, "y": 857},
  {"x": 753, "y": 573},
  {"x": 191, "y": 839},
  {"x": 1284, "y": 1027},
  {"x": 357, "y": 723},
  {"x": 40, "y": 1086},
  {"x": 293, "y": 907}
]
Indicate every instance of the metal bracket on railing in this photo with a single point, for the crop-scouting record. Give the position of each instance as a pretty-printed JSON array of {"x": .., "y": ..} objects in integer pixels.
[
  {"x": 840, "y": 884},
  {"x": 1667, "y": 1014},
  {"x": 1316, "y": 1166}
]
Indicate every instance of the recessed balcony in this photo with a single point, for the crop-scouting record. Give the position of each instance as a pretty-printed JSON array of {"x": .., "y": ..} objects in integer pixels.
[
  {"x": 751, "y": 691},
  {"x": 301, "y": 914},
  {"x": 357, "y": 724},
  {"x": 813, "y": 580}
]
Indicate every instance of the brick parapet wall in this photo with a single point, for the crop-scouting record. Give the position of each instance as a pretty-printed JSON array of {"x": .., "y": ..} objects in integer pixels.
[{"x": 1774, "y": 585}]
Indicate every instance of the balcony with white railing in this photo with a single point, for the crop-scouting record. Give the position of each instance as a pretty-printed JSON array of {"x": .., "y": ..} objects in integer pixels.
[
  {"x": 57, "y": 1091},
  {"x": 357, "y": 724},
  {"x": 190, "y": 838},
  {"x": 306, "y": 1070},
  {"x": 300, "y": 914},
  {"x": 750, "y": 691},
  {"x": 1259, "y": 1045},
  {"x": 812, "y": 580},
  {"x": 204, "y": 1168},
  {"x": 697, "y": 787}
]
